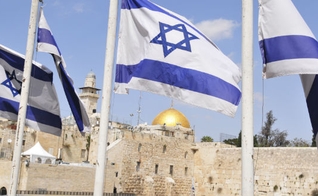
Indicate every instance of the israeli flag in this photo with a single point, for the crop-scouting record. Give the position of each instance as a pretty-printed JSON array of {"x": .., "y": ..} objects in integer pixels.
[
  {"x": 287, "y": 44},
  {"x": 289, "y": 47},
  {"x": 43, "y": 112},
  {"x": 46, "y": 43},
  {"x": 162, "y": 52}
]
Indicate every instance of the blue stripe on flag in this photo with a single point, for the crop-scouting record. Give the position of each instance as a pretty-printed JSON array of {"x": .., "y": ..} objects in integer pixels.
[
  {"x": 175, "y": 76},
  {"x": 288, "y": 47},
  {"x": 133, "y": 4},
  {"x": 18, "y": 63},
  {"x": 34, "y": 114},
  {"x": 45, "y": 36},
  {"x": 312, "y": 105},
  {"x": 72, "y": 98}
]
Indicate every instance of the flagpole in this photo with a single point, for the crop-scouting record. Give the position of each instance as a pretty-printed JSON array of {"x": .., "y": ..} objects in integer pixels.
[
  {"x": 24, "y": 98},
  {"x": 106, "y": 95},
  {"x": 247, "y": 99}
]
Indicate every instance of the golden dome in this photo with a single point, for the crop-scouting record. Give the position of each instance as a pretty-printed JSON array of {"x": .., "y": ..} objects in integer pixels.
[{"x": 171, "y": 117}]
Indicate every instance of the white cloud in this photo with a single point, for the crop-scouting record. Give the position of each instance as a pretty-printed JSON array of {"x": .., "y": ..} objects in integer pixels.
[
  {"x": 79, "y": 7},
  {"x": 217, "y": 29},
  {"x": 56, "y": 3},
  {"x": 259, "y": 98}
]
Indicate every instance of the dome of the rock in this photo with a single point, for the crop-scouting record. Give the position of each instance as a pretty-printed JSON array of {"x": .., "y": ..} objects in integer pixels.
[{"x": 171, "y": 117}]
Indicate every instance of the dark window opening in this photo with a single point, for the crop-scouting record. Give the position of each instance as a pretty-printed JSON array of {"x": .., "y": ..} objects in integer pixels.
[
  {"x": 171, "y": 170},
  {"x": 138, "y": 166},
  {"x": 3, "y": 191},
  {"x": 156, "y": 168}
]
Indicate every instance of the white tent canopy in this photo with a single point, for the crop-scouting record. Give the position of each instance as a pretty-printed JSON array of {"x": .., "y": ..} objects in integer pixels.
[{"x": 39, "y": 155}]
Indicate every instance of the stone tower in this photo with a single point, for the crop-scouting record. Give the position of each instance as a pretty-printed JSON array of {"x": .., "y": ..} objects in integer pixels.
[{"x": 89, "y": 94}]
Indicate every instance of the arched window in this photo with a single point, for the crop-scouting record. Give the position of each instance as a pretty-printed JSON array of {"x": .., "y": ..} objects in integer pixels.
[
  {"x": 164, "y": 149},
  {"x": 3, "y": 191},
  {"x": 185, "y": 155}
]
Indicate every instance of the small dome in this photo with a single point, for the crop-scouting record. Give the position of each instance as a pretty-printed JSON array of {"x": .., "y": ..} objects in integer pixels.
[
  {"x": 171, "y": 117},
  {"x": 91, "y": 75}
]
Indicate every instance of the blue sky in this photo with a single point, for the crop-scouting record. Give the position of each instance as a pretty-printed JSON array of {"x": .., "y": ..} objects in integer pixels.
[{"x": 80, "y": 29}]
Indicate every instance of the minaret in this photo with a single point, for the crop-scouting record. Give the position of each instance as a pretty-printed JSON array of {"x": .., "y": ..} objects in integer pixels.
[{"x": 89, "y": 94}]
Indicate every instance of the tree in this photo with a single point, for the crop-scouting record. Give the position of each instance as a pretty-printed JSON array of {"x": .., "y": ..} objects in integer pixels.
[
  {"x": 238, "y": 141},
  {"x": 233, "y": 141},
  {"x": 88, "y": 145},
  {"x": 298, "y": 142},
  {"x": 313, "y": 142},
  {"x": 269, "y": 137},
  {"x": 206, "y": 139},
  {"x": 279, "y": 138}
]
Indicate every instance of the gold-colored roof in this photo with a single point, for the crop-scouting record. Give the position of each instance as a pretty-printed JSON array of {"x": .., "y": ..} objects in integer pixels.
[{"x": 171, "y": 117}]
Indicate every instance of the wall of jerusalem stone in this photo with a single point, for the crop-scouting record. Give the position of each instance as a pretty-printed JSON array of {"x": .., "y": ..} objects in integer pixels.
[
  {"x": 215, "y": 168},
  {"x": 151, "y": 151},
  {"x": 57, "y": 177},
  {"x": 278, "y": 171}
]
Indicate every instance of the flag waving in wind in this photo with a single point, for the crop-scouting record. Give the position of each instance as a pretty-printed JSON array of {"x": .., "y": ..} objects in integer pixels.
[
  {"x": 46, "y": 43},
  {"x": 287, "y": 44},
  {"x": 43, "y": 111},
  {"x": 289, "y": 47},
  {"x": 162, "y": 52}
]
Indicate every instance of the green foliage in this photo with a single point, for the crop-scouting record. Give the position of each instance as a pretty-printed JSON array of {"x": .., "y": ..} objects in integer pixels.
[
  {"x": 88, "y": 145},
  {"x": 298, "y": 142},
  {"x": 238, "y": 141},
  {"x": 313, "y": 141},
  {"x": 270, "y": 137},
  {"x": 88, "y": 142},
  {"x": 234, "y": 141},
  {"x": 206, "y": 139}
]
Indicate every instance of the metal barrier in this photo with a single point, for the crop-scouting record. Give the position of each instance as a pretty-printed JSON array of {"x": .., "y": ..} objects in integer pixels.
[{"x": 45, "y": 192}]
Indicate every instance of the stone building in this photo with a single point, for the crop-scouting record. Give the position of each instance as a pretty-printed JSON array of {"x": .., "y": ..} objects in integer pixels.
[{"x": 157, "y": 159}]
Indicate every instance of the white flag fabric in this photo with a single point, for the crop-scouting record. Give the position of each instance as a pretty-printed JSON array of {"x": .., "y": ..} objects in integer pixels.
[
  {"x": 46, "y": 43},
  {"x": 43, "y": 112},
  {"x": 162, "y": 52},
  {"x": 289, "y": 47},
  {"x": 287, "y": 44}
]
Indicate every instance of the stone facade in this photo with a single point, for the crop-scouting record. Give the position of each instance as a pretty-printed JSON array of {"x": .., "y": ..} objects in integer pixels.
[
  {"x": 151, "y": 164},
  {"x": 278, "y": 171}
]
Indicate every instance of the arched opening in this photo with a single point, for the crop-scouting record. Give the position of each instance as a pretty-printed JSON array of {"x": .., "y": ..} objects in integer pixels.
[
  {"x": 48, "y": 161},
  {"x": 39, "y": 160},
  {"x": 3, "y": 191}
]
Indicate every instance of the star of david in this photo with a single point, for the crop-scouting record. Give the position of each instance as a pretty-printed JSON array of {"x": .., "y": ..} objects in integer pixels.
[
  {"x": 8, "y": 83},
  {"x": 169, "y": 47}
]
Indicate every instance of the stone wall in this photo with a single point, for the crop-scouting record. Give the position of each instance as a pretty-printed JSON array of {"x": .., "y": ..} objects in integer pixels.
[
  {"x": 5, "y": 173},
  {"x": 149, "y": 164},
  {"x": 278, "y": 171},
  {"x": 57, "y": 177},
  {"x": 171, "y": 155}
]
